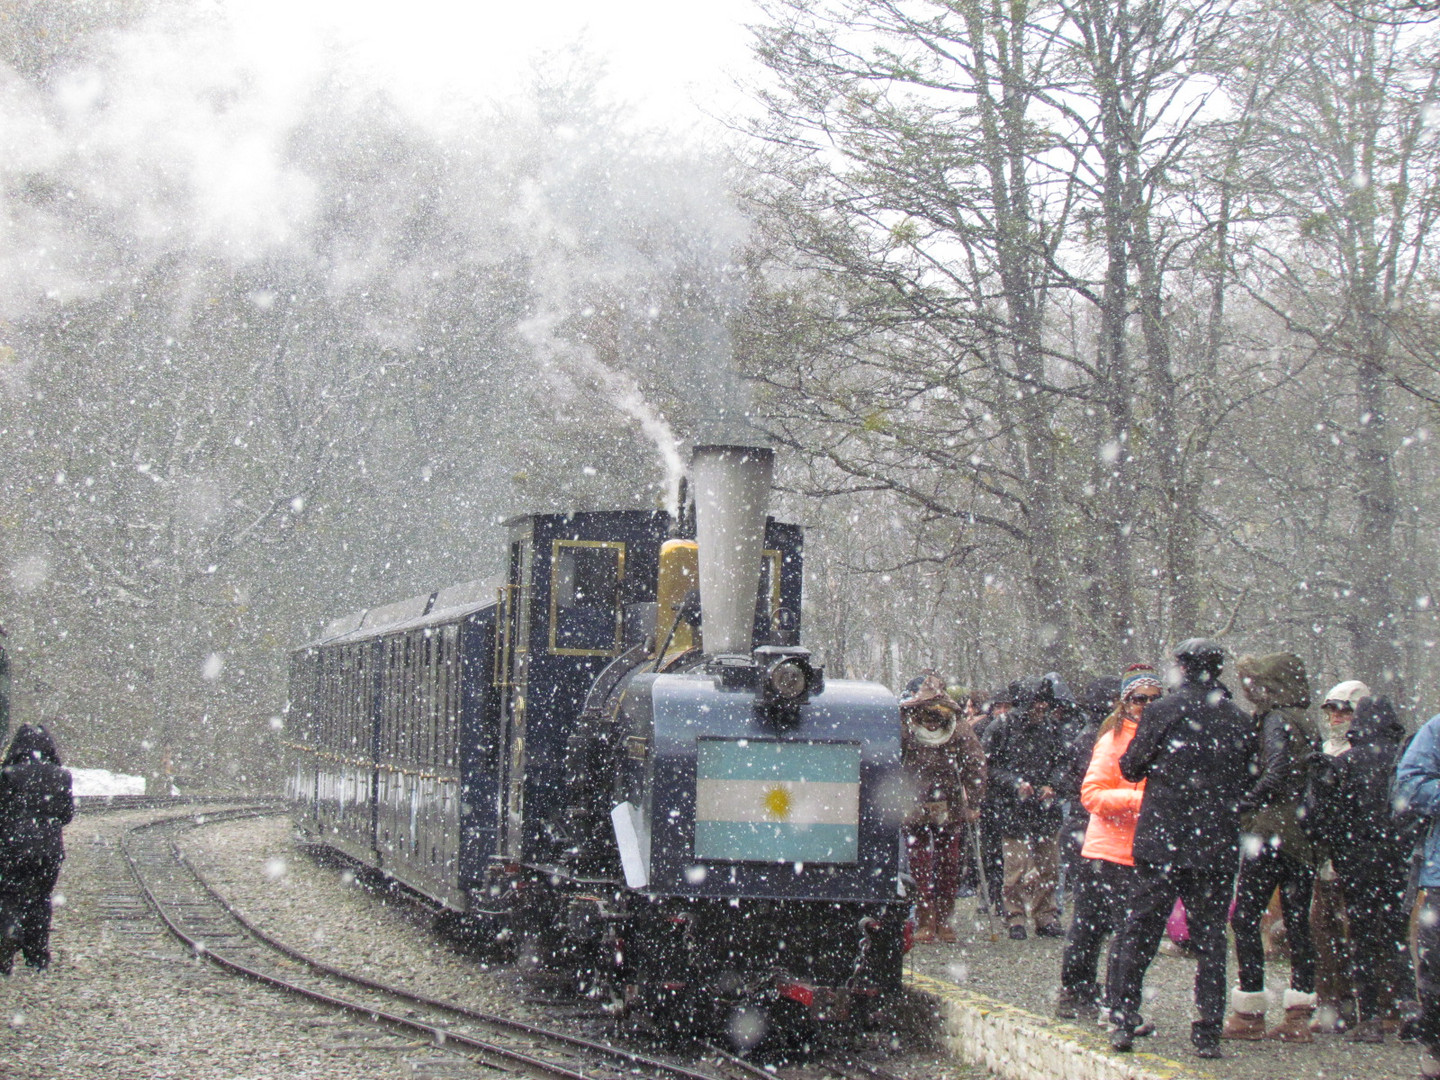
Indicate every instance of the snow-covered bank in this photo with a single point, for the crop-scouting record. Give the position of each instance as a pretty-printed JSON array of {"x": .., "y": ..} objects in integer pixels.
[{"x": 105, "y": 782}]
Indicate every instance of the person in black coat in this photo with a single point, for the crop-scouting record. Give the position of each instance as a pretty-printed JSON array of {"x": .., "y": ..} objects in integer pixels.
[
  {"x": 992, "y": 849},
  {"x": 1097, "y": 701},
  {"x": 1348, "y": 809},
  {"x": 35, "y": 803},
  {"x": 1025, "y": 761},
  {"x": 1277, "y": 853},
  {"x": 1196, "y": 750}
]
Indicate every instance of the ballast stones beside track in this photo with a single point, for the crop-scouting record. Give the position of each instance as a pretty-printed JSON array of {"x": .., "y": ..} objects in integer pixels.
[{"x": 124, "y": 1001}]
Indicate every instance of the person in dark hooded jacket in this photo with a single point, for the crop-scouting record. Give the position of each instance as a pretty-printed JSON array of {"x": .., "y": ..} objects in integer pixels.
[
  {"x": 992, "y": 849},
  {"x": 1097, "y": 701},
  {"x": 1277, "y": 852},
  {"x": 1348, "y": 806},
  {"x": 35, "y": 803}
]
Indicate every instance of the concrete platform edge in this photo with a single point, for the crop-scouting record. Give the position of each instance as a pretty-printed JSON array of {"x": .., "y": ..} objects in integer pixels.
[{"x": 1019, "y": 1045}]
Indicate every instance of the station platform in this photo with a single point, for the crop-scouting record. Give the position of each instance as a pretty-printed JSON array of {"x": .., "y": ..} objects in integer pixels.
[{"x": 992, "y": 1005}]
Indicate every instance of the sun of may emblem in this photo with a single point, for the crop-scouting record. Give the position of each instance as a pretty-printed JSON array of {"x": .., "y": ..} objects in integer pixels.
[{"x": 777, "y": 803}]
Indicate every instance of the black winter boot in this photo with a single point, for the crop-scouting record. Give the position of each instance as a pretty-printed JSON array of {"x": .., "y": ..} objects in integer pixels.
[
  {"x": 1122, "y": 1030},
  {"x": 1205, "y": 1036}
]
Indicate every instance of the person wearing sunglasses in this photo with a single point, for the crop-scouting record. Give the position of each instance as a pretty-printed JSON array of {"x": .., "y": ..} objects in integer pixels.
[
  {"x": 1350, "y": 808},
  {"x": 1335, "y": 1007},
  {"x": 1106, "y": 868}
]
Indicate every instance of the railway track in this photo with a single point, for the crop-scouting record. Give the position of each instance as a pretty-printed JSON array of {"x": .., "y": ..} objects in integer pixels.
[
  {"x": 95, "y": 804},
  {"x": 209, "y": 926}
]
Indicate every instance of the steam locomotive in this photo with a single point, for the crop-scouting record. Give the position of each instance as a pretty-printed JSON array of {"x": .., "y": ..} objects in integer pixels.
[{"x": 591, "y": 756}]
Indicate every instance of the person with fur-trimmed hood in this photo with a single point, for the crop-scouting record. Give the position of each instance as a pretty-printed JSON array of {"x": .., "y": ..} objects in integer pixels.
[
  {"x": 1275, "y": 852},
  {"x": 946, "y": 768},
  {"x": 1025, "y": 754},
  {"x": 35, "y": 803}
]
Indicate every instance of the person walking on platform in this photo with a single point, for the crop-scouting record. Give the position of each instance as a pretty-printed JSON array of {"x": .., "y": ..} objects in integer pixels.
[
  {"x": 1417, "y": 792},
  {"x": 1275, "y": 850},
  {"x": 1349, "y": 809},
  {"x": 944, "y": 764},
  {"x": 1026, "y": 761},
  {"x": 1194, "y": 749},
  {"x": 35, "y": 802},
  {"x": 1105, "y": 871}
]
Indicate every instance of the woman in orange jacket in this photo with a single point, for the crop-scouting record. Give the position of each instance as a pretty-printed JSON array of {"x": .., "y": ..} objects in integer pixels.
[{"x": 1106, "y": 868}]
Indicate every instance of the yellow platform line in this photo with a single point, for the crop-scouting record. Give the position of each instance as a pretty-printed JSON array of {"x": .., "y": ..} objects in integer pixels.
[{"x": 1019, "y": 1045}]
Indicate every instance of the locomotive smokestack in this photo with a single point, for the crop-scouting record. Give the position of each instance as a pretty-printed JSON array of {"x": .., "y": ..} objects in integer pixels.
[{"x": 731, "y": 485}]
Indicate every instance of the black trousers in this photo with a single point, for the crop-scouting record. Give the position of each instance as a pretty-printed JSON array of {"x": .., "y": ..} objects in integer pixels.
[
  {"x": 1072, "y": 839},
  {"x": 992, "y": 855},
  {"x": 1102, "y": 901},
  {"x": 1259, "y": 878},
  {"x": 1428, "y": 976},
  {"x": 1206, "y": 893},
  {"x": 25, "y": 920},
  {"x": 1379, "y": 936}
]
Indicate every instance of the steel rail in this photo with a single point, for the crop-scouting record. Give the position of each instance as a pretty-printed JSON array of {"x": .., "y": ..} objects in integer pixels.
[{"x": 440, "y": 1035}]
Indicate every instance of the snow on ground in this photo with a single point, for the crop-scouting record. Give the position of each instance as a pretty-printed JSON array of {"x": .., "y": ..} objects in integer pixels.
[{"x": 105, "y": 782}]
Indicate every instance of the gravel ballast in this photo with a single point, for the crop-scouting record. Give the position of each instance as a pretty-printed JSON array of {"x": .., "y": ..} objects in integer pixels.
[{"x": 124, "y": 1000}]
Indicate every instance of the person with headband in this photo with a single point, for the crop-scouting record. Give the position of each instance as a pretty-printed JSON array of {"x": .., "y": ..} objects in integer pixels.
[{"x": 1106, "y": 869}]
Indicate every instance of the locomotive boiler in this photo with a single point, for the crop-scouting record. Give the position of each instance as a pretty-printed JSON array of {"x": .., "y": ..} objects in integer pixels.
[{"x": 618, "y": 756}]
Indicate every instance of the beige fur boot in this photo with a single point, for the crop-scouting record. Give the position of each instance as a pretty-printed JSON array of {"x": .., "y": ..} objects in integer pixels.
[
  {"x": 1299, "y": 1008},
  {"x": 1247, "y": 1016}
]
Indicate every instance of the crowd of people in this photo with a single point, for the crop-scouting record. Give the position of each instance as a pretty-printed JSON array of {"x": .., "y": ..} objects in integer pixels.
[{"x": 1165, "y": 803}]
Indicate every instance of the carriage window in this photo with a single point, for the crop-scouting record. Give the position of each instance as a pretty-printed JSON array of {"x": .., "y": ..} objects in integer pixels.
[{"x": 585, "y": 578}]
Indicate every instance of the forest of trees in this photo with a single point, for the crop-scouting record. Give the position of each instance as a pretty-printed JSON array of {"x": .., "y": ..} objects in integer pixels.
[
  {"x": 1123, "y": 312},
  {"x": 1082, "y": 327}
]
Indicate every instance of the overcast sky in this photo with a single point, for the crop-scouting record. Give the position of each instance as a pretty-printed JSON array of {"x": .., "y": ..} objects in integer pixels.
[{"x": 675, "y": 60}]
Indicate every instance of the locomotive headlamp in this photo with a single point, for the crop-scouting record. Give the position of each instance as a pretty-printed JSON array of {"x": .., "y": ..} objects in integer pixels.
[{"x": 788, "y": 679}]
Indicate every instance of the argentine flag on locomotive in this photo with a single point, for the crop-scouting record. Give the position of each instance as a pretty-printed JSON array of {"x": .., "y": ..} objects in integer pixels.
[{"x": 760, "y": 800}]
